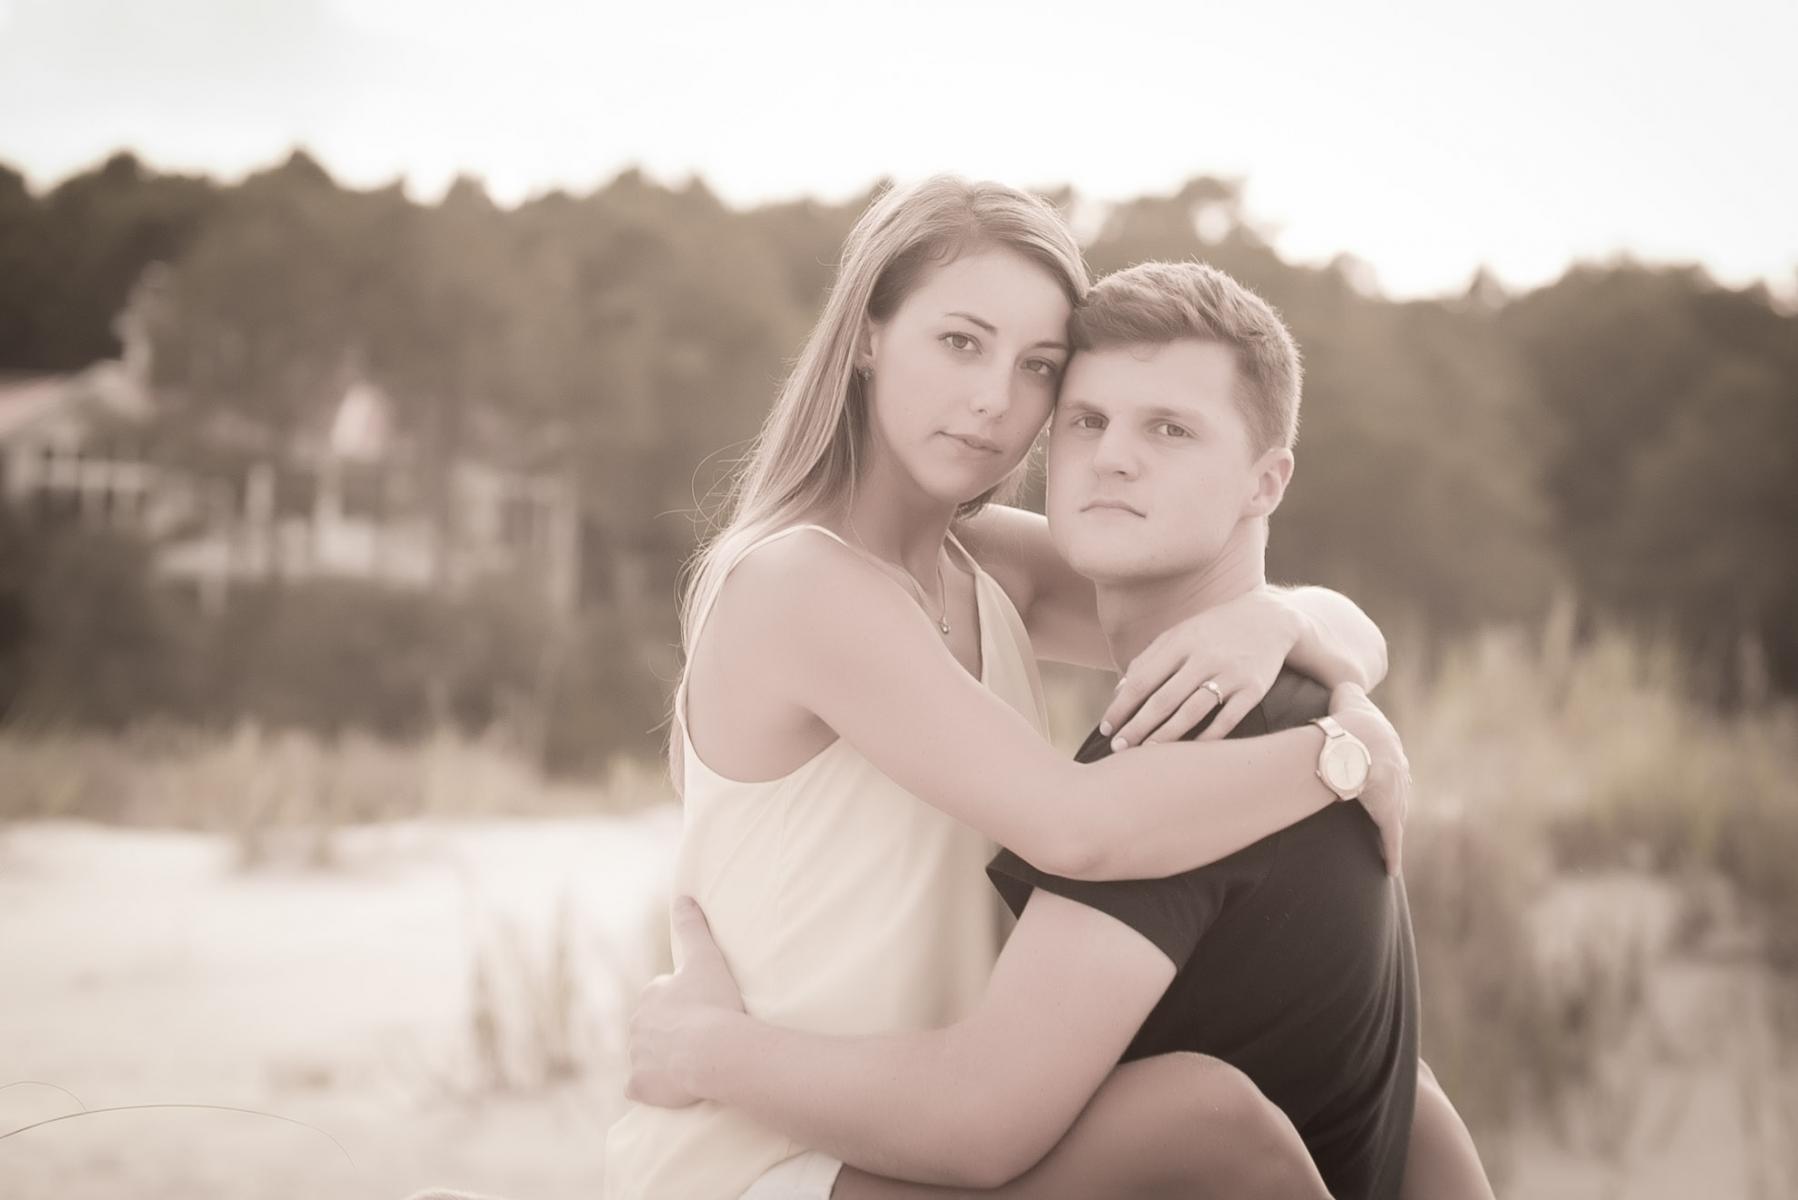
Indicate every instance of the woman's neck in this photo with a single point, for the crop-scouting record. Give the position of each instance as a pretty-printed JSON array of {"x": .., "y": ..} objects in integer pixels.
[{"x": 894, "y": 519}]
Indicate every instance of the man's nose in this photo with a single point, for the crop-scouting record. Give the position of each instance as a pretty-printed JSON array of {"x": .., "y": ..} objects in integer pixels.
[{"x": 1114, "y": 455}]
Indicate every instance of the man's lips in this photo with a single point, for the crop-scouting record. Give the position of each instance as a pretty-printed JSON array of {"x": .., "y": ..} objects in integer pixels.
[
  {"x": 1117, "y": 505},
  {"x": 973, "y": 441}
]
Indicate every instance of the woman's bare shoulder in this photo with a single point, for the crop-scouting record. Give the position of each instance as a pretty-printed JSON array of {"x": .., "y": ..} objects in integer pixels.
[{"x": 791, "y": 583}]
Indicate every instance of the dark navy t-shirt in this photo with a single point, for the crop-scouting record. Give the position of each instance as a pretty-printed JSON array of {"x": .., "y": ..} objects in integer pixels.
[{"x": 1293, "y": 962}]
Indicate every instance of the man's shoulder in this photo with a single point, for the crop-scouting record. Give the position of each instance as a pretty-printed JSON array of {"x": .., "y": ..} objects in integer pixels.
[{"x": 1294, "y": 699}]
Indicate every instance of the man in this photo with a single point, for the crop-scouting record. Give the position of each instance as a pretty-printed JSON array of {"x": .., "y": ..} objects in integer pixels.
[{"x": 1291, "y": 961}]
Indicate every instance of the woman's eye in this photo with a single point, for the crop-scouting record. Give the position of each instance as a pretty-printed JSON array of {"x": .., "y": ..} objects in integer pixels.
[
  {"x": 1044, "y": 367},
  {"x": 958, "y": 341}
]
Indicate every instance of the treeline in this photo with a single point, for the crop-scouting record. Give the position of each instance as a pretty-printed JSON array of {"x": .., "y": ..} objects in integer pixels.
[{"x": 1628, "y": 434}]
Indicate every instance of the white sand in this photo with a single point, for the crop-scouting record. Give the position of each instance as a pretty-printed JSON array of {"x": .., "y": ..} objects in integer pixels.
[{"x": 144, "y": 967}]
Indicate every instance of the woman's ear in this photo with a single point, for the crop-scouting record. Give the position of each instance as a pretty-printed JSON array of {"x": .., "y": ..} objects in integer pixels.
[
  {"x": 867, "y": 337},
  {"x": 1272, "y": 473}
]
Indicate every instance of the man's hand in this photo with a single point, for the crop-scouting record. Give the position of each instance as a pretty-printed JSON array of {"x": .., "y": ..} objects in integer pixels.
[
  {"x": 1387, "y": 796},
  {"x": 1239, "y": 647},
  {"x": 673, "y": 1008}
]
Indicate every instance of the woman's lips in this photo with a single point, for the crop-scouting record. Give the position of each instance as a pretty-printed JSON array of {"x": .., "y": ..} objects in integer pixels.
[{"x": 978, "y": 445}]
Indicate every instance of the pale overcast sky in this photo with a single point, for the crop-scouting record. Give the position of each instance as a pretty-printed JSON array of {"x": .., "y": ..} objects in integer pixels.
[{"x": 1425, "y": 138}]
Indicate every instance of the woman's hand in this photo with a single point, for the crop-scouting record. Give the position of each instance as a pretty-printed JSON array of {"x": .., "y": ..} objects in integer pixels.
[
  {"x": 672, "y": 1009},
  {"x": 1238, "y": 647},
  {"x": 1387, "y": 794}
]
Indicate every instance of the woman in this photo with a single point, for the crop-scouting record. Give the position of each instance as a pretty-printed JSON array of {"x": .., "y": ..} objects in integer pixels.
[{"x": 846, "y": 765}]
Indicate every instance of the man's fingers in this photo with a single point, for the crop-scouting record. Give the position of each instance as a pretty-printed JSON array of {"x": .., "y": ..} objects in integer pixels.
[{"x": 1229, "y": 717}]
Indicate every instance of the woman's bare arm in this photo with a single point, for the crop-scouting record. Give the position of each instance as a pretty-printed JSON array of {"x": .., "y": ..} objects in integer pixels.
[{"x": 843, "y": 643}]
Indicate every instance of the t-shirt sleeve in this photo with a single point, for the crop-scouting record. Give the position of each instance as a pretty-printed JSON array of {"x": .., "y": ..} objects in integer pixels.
[{"x": 1173, "y": 913}]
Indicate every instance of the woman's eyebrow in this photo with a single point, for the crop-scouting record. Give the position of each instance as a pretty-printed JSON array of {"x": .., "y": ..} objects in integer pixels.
[
  {"x": 989, "y": 327},
  {"x": 970, "y": 317}
]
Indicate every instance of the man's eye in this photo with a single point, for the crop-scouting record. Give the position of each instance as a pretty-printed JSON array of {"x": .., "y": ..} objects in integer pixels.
[
  {"x": 959, "y": 341},
  {"x": 1173, "y": 430},
  {"x": 1089, "y": 421}
]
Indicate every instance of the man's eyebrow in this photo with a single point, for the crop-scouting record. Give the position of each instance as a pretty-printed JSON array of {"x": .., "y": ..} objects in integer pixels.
[{"x": 1169, "y": 412}]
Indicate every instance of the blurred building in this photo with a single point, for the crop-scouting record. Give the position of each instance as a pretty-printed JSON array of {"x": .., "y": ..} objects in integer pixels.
[{"x": 349, "y": 499}]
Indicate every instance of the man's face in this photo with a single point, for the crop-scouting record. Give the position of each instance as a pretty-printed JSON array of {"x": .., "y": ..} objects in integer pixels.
[{"x": 1151, "y": 472}]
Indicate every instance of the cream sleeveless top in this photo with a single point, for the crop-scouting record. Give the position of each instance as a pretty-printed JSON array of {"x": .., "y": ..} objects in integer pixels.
[{"x": 844, "y": 905}]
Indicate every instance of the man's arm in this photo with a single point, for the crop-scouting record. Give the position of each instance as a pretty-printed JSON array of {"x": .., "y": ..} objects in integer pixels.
[
  {"x": 972, "y": 1105},
  {"x": 1337, "y": 642}
]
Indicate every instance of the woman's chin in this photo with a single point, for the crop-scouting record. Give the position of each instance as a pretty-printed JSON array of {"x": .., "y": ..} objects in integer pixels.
[
  {"x": 966, "y": 485},
  {"x": 967, "y": 493}
]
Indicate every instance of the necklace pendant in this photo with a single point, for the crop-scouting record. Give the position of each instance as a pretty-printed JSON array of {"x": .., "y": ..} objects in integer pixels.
[{"x": 944, "y": 626}]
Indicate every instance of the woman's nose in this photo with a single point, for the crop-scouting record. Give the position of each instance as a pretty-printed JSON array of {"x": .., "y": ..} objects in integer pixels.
[{"x": 992, "y": 393}]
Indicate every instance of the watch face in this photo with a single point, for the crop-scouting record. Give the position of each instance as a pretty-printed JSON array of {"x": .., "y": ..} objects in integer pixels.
[{"x": 1345, "y": 766}]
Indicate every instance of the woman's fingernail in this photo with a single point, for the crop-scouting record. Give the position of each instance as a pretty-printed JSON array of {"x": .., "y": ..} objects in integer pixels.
[
  {"x": 1104, "y": 728},
  {"x": 1118, "y": 743}
]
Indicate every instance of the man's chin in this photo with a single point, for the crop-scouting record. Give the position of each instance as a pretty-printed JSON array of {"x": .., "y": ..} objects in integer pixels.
[{"x": 1108, "y": 564}]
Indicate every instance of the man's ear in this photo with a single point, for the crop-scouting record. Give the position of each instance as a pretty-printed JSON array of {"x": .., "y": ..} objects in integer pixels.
[{"x": 1272, "y": 473}]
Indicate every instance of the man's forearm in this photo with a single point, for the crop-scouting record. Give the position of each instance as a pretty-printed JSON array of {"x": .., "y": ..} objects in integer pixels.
[
  {"x": 904, "y": 1105},
  {"x": 1338, "y": 643}
]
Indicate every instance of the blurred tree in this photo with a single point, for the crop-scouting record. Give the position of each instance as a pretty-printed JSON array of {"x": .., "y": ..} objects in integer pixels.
[
  {"x": 86, "y": 638},
  {"x": 1670, "y": 464},
  {"x": 440, "y": 321},
  {"x": 252, "y": 329},
  {"x": 82, "y": 249},
  {"x": 1628, "y": 429}
]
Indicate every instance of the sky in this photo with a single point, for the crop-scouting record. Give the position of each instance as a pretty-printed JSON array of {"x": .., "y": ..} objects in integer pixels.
[{"x": 1425, "y": 139}]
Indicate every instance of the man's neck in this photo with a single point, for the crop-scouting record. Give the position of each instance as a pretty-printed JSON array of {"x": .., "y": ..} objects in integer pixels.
[{"x": 1135, "y": 612}]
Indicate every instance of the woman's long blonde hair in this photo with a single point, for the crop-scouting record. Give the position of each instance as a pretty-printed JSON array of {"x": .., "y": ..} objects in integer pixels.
[{"x": 804, "y": 460}]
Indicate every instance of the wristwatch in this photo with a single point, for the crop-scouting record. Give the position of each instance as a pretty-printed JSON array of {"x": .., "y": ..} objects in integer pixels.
[{"x": 1344, "y": 762}]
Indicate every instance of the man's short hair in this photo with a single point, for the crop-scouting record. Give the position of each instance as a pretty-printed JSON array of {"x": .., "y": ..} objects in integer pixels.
[{"x": 1154, "y": 303}]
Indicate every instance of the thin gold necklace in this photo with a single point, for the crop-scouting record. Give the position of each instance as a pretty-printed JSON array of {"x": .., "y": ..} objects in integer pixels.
[{"x": 942, "y": 589}]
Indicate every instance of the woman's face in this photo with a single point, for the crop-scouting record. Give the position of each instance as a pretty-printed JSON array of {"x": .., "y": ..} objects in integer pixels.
[{"x": 966, "y": 371}]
